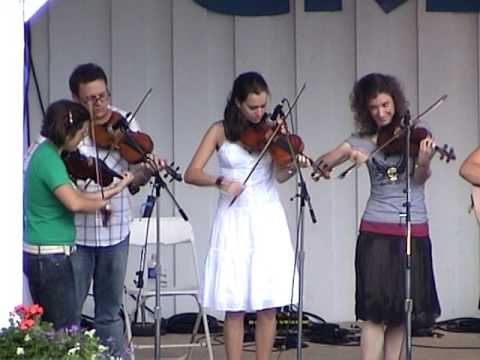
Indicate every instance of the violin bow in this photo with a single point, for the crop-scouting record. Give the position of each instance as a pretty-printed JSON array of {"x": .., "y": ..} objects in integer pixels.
[
  {"x": 132, "y": 141},
  {"x": 140, "y": 104},
  {"x": 415, "y": 121},
  {"x": 103, "y": 212},
  {"x": 270, "y": 139}
]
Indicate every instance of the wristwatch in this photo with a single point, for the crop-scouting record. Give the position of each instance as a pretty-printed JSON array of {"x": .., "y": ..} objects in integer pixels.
[{"x": 219, "y": 181}]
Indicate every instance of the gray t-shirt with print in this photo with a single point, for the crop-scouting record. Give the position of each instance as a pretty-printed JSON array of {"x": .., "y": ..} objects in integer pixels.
[{"x": 387, "y": 186}]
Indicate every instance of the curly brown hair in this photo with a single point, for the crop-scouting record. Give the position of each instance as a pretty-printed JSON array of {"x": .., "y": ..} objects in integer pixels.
[{"x": 369, "y": 87}]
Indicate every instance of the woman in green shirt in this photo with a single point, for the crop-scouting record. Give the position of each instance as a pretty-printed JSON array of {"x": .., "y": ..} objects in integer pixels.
[{"x": 50, "y": 201}]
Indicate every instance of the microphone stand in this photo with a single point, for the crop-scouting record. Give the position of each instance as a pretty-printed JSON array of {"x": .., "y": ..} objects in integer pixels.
[
  {"x": 304, "y": 198},
  {"x": 408, "y": 243},
  {"x": 158, "y": 184},
  {"x": 152, "y": 201}
]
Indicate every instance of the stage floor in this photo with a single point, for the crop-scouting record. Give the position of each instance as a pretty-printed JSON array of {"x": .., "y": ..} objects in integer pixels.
[{"x": 445, "y": 346}]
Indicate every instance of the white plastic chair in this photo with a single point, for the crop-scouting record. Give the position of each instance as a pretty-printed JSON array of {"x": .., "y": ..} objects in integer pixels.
[{"x": 173, "y": 231}]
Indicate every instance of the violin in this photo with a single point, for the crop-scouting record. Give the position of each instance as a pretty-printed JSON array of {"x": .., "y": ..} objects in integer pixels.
[
  {"x": 81, "y": 167},
  {"x": 116, "y": 135},
  {"x": 397, "y": 146},
  {"x": 133, "y": 146},
  {"x": 256, "y": 136}
]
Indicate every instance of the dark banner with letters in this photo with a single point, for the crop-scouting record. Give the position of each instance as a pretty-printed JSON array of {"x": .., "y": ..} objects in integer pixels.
[
  {"x": 389, "y": 5},
  {"x": 453, "y": 5},
  {"x": 323, "y": 5},
  {"x": 278, "y": 7},
  {"x": 246, "y": 7}
]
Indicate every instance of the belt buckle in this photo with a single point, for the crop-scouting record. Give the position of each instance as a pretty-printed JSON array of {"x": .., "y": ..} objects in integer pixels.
[{"x": 69, "y": 250}]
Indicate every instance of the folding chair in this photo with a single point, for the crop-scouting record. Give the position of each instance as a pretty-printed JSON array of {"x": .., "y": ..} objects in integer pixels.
[{"x": 173, "y": 231}]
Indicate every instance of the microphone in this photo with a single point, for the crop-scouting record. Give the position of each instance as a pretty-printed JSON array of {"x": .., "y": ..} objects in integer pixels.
[
  {"x": 121, "y": 123},
  {"x": 147, "y": 212},
  {"x": 406, "y": 118},
  {"x": 277, "y": 111}
]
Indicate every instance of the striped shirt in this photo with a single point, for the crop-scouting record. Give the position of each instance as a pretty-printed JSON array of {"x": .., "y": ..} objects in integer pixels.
[{"x": 90, "y": 231}]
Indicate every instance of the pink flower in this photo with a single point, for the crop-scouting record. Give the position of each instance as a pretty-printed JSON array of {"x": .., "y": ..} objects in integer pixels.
[
  {"x": 26, "y": 324},
  {"x": 35, "y": 310},
  {"x": 20, "y": 309}
]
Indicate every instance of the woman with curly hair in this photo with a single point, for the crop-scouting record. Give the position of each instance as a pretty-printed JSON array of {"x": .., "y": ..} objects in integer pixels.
[{"x": 378, "y": 103}]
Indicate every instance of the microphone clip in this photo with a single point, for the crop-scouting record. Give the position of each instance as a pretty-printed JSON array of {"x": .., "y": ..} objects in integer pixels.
[{"x": 278, "y": 110}]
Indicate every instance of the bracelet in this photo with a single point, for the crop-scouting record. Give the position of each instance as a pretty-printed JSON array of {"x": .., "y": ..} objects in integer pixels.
[
  {"x": 421, "y": 165},
  {"x": 219, "y": 181}
]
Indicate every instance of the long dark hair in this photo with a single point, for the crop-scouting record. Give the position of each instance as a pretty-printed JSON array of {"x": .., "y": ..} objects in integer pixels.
[
  {"x": 369, "y": 87},
  {"x": 245, "y": 84},
  {"x": 63, "y": 118}
]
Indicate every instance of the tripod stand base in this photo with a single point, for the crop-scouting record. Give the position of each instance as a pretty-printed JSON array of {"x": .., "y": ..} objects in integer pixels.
[
  {"x": 146, "y": 329},
  {"x": 290, "y": 342}
]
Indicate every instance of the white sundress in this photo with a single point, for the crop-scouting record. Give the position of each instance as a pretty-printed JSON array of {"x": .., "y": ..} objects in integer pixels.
[{"x": 250, "y": 264}]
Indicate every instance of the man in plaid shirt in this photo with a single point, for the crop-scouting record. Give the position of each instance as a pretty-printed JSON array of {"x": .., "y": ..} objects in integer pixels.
[{"x": 102, "y": 251}]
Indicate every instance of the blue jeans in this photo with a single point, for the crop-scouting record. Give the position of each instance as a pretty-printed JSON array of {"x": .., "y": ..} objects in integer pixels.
[
  {"x": 52, "y": 286},
  {"x": 107, "y": 267}
]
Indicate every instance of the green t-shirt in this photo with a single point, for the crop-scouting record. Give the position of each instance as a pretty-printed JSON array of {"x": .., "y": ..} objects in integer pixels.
[{"x": 49, "y": 222}]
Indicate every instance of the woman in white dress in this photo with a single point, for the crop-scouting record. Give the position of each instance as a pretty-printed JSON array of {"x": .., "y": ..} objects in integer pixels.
[{"x": 250, "y": 264}]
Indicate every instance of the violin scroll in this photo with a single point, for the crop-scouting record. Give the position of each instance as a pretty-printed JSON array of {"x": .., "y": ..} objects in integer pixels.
[
  {"x": 143, "y": 174},
  {"x": 446, "y": 153}
]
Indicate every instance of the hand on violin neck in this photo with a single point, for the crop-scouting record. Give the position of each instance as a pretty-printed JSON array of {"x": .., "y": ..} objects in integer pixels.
[
  {"x": 320, "y": 169},
  {"x": 426, "y": 152},
  {"x": 302, "y": 160},
  {"x": 155, "y": 162},
  {"x": 118, "y": 186},
  {"x": 127, "y": 179}
]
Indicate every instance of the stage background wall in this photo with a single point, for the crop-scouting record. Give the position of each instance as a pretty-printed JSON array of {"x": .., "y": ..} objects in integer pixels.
[{"x": 190, "y": 56}]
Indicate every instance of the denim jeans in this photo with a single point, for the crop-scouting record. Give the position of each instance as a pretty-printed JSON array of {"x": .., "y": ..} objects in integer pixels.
[
  {"x": 52, "y": 286},
  {"x": 106, "y": 266}
]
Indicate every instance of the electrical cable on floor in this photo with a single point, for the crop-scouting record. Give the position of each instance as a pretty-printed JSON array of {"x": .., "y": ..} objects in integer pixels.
[
  {"x": 462, "y": 324},
  {"x": 448, "y": 347},
  {"x": 318, "y": 331}
]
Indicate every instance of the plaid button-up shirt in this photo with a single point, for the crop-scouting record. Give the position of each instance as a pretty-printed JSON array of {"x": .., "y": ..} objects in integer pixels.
[{"x": 90, "y": 231}]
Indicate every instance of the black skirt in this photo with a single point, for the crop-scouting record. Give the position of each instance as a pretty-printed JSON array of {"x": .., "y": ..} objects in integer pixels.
[{"x": 380, "y": 280}]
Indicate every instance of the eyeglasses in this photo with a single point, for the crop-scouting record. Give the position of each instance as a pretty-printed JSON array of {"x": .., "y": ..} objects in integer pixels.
[{"x": 94, "y": 99}]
